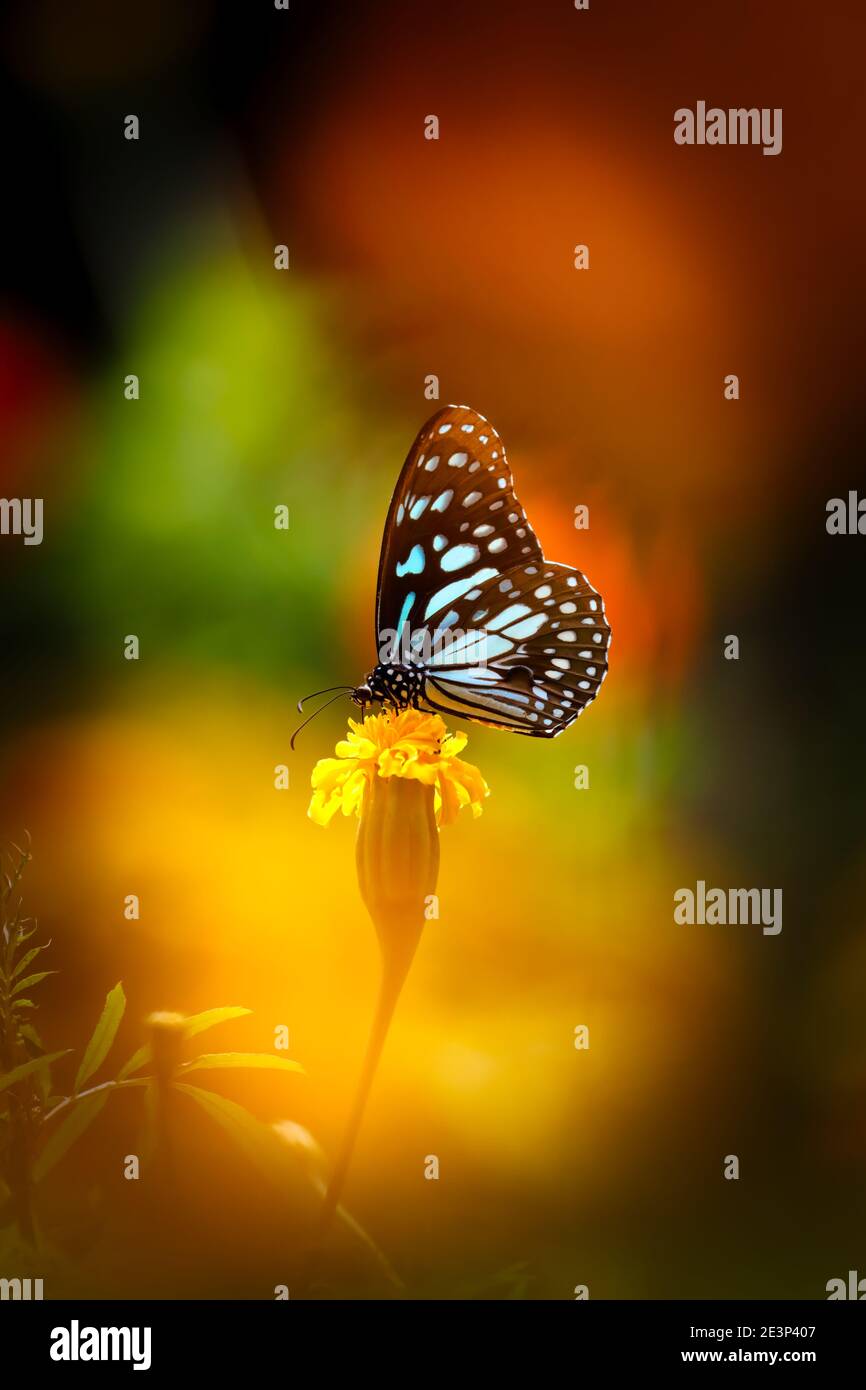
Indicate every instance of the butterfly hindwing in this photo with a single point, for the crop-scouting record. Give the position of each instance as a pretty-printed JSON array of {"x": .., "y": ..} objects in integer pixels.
[
  {"x": 453, "y": 523},
  {"x": 531, "y": 654}
]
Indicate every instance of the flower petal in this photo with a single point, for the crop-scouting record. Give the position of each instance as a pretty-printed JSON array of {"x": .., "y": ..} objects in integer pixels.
[{"x": 410, "y": 744}]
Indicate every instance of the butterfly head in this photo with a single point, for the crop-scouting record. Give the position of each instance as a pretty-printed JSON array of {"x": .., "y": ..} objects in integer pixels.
[{"x": 393, "y": 684}]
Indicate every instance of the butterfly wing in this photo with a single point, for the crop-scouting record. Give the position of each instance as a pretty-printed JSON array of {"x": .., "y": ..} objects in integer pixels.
[
  {"x": 453, "y": 523},
  {"x": 531, "y": 653},
  {"x": 460, "y": 561}
]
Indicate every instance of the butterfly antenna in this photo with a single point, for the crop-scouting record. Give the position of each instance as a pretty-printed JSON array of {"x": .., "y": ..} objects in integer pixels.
[
  {"x": 347, "y": 690},
  {"x": 328, "y": 688}
]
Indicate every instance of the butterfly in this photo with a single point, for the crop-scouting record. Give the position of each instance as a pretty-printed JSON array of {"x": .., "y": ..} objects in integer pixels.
[{"x": 471, "y": 619}]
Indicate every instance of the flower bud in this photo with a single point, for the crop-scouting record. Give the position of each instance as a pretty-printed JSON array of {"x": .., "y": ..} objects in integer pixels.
[
  {"x": 397, "y": 857},
  {"x": 166, "y": 1033}
]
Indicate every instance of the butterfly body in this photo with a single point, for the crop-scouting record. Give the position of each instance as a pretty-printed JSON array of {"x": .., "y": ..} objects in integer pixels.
[
  {"x": 397, "y": 685},
  {"x": 471, "y": 619}
]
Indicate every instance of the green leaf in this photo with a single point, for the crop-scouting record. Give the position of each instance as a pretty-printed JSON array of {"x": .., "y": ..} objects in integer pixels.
[
  {"x": 224, "y": 1061},
  {"x": 33, "y": 980},
  {"x": 26, "y": 959},
  {"x": 10, "y": 1078},
  {"x": 34, "y": 1047},
  {"x": 103, "y": 1035},
  {"x": 80, "y": 1117},
  {"x": 256, "y": 1140},
  {"x": 136, "y": 1061},
  {"x": 30, "y": 1035},
  {"x": 197, "y": 1023},
  {"x": 43, "y": 1086}
]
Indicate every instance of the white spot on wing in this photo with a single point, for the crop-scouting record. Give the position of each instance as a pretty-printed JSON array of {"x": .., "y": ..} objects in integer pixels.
[
  {"x": 458, "y": 556},
  {"x": 528, "y": 627}
]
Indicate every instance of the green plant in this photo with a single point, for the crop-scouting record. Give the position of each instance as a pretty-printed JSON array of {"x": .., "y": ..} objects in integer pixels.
[
  {"x": 25, "y": 1079},
  {"x": 38, "y": 1127},
  {"x": 39, "y": 1124}
]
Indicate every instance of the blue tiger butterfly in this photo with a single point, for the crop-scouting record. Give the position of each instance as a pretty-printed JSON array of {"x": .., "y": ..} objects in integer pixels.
[{"x": 471, "y": 620}]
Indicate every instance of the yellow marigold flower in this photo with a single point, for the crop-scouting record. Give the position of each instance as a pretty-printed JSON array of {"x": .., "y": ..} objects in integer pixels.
[{"x": 409, "y": 744}]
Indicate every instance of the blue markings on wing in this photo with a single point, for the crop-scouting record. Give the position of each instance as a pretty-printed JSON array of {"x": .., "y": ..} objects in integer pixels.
[
  {"x": 472, "y": 649},
  {"x": 527, "y": 628},
  {"x": 448, "y": 621},
  {"x": 458, "y": 556},
  {"x": 471, "y": 675},
  {"x": 414, "y": 564},
  {"x": 508, "y": 615},
  {"x": 450, "y": 592},
  {"x": 404, "y": 612}
]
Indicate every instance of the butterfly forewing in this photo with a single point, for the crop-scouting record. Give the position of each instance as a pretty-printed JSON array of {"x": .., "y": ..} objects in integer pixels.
[{"x": 454, "y": 523}]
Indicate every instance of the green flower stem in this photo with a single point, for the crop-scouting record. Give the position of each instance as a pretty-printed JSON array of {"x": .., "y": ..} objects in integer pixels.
[
  {"x": 390, "y": 986},
  {"x": 92, "y": 1091},
  {"x": 389, "y": 992}
]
